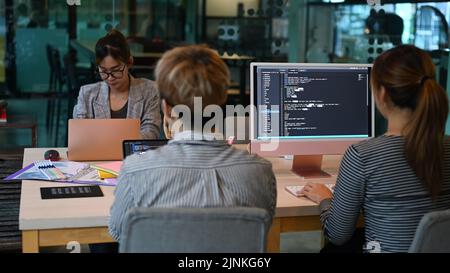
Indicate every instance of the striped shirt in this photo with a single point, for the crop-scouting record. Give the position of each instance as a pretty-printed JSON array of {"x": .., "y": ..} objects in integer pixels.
[
  {"x": 375, "y": 178},
  {"x": 193, "y": 173}
]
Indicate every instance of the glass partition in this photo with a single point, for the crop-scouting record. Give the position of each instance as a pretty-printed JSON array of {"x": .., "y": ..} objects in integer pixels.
[
  {"x": 242, "y": 31},
  {"x": 359, "y": 32},
  {"x": 38, "y": 24},
  {"x": 253, "y": 28}
]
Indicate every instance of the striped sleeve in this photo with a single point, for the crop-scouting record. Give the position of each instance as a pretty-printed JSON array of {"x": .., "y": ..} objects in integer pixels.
[
  {"x": 339, "y": 217},
  {"x": 273, "y": 191},
  {"x": 122, "y": 203}
]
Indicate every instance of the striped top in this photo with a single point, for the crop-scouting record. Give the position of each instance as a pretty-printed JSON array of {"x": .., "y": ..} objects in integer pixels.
[
  {"x": 193, "y": 173},
  {"x": 375, "y": 177}
]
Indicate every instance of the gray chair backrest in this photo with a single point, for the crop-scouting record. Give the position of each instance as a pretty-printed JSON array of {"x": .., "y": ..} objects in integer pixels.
[
  {"x": 195, "y": 230},
  {"x": 433, "y": 233}
]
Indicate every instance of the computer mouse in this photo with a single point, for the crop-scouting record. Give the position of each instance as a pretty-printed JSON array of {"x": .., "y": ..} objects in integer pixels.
[{"x": 52, "y": 155}]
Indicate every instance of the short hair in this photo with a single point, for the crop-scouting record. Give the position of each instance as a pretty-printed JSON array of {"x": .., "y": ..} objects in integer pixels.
[
  {"x": 112, "y": 44},
  {"x": 192, "y": 71}
]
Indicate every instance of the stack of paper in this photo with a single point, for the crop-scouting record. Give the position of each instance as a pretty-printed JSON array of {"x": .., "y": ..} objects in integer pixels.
[{"x": 74, "y": 172}]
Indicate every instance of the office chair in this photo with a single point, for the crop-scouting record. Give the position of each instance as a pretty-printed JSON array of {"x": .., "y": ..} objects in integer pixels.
[
  {"x": 56, "y": 86},
  {"x": 52, "y": 83},
  {"x": 433, "y": 233},
  {"x": 194, "y": 230},
  {"x": 73, "y": 85}
]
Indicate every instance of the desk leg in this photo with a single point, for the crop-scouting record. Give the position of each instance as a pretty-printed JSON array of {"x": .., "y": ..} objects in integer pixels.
[
  {"x": 273, "y": 238},
  {"x": 323, "y": 240},
  {"x": 30, "y": 241}
]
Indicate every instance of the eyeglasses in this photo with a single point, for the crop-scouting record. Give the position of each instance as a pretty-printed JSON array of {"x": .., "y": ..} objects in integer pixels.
[{"x": 116, "y": 74}]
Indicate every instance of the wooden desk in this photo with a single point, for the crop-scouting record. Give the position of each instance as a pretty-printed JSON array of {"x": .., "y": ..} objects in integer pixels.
[
  {"x": 56, "y": 222},
  {"x": 294, "y": 213},
  {"x": 59, "y": 221}
]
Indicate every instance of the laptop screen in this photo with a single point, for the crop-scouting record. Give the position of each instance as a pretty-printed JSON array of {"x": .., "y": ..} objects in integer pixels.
[{"x": 141, "y": 146}]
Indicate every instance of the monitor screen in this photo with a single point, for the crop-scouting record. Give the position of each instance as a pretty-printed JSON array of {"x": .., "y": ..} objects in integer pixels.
[{"x": 312, "y": 103}]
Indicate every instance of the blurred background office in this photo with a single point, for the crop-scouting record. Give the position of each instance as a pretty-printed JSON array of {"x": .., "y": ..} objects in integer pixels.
[
  {"x": 46, "y": 52},
  {"x": 46, "y": 46}
]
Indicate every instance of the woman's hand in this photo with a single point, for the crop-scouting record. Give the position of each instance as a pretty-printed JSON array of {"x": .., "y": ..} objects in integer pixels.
[{"x": 317, "y": 192}]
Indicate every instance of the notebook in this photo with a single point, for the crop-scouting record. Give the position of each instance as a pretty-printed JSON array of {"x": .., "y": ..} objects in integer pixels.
[
  {"x": 61, "y": 172},
  {"x": 47, "y": 168},
  {"x": 108, "y": 169}
]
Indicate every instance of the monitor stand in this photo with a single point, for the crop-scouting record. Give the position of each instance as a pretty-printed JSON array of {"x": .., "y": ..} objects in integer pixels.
[{"x": 309, "y": 166}]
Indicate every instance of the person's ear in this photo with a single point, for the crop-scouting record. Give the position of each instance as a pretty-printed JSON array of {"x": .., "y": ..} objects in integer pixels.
[
  {"x": 166, "y": 108},
  {"x": 130, "y": 61},
  {"x": 383, "y": 96}
]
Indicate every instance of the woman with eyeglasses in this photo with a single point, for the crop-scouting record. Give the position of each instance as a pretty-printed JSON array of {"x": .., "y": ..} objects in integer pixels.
[{"x": 119, "y": 95}]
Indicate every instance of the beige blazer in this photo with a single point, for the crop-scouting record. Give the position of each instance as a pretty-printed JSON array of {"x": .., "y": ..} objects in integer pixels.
[{"x": 143, "y": 104}]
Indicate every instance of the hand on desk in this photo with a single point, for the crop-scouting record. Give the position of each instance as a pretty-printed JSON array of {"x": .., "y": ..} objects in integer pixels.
[{"x": 317, "y": 192}]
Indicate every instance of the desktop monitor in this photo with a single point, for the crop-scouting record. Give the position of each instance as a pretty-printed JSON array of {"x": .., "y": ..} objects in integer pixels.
[{"x": 309, "y": 110}]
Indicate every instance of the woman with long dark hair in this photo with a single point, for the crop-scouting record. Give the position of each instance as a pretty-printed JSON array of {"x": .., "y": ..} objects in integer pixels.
[{"x": 396, "y": 178}]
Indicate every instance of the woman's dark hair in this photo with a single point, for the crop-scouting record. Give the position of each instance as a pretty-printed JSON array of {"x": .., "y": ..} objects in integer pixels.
[
  {"x": 113, "y": 44},
  {"x": 408, "y": 75}
]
